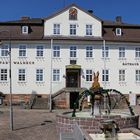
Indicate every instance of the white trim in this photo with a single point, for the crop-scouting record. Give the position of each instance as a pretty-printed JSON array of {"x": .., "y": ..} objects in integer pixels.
[
  {"x": 25, "y": 29},
  {"x": 118, "y": 31}
]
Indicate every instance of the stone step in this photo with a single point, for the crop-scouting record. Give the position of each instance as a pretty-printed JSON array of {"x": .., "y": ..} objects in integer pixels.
[{"x": 40, "y": 103}]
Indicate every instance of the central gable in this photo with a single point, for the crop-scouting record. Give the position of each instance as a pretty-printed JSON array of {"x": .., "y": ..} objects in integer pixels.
[{"x": 73, "y": 21}]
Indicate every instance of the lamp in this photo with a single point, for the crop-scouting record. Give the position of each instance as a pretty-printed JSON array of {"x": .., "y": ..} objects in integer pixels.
[{"x": 11, "y": 107}]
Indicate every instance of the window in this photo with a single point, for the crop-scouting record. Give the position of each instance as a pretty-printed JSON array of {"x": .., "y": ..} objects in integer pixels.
[
  {"x": 4, "y": 50},
  {"x": 118, "y": 31},
  {"x": 121, "y": 52},
  {"x": 72, "y": 14},
  {"x": 22, "y": 50},
  {"x": 137, "y": 75},
  {"x": 56, "y": 51},
  {"x": 121, "y": 75},
  {"x": 73, "y": 51},
  {"x": 89, "y": 75},
  {"x": 137, "y": 52},
  {"x": 105, "y": 52},
  {"x": 89, "y": 51},
  {"x": 72, "y": 29},
  {"x": 21, "y": 75},
  {"x": 39, "y": 75},
  {"x": 56, "y": 75},
  {"x": 105, "y": 75},
  {"x": 3, "y": 74},
  {"x": 88, "y": 29},
  {"x": 25, "y": 29},
  {"x": 39, "y": 51},
  {"x": 56, "y": 29}
]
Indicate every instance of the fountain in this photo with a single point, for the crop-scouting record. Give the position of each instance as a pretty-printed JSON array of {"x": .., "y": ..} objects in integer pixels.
[
  {"x": 97, "y": 93},
  {"x": 101, "y": 119}
]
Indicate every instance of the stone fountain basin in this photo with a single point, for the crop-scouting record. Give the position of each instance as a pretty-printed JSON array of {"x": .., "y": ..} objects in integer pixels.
[
  {"x": 88, "y": 114},
  {"x": 121, "y": 136},
  {"x": 92, "y": 124}
]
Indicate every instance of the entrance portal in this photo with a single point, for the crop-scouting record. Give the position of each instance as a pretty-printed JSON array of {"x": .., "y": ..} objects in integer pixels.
[
  {"x": 73, "y": 98},
  {"x": 73, "y": 78}
]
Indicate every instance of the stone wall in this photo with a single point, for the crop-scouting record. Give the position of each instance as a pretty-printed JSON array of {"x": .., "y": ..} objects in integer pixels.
[{"x": 92, "y": 125}]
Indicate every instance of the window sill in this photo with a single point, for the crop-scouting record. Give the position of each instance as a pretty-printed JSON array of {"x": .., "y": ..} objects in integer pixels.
[
  {"x": 57, "y": 34},
  {"x": 138, "y": 58},
  {"x": 105, "y": 82},
  {"x": 22, "y": 57},
  {"x": 4, "y": 57},
  {"x": 122, "y": 59},
  {"x": 56, "y": 82},
  {"x": 40, "y": 57},
  {"x": 137, "y": 82},
  {"x": 88, "y": 35},
  {"x": 40, "y": 82},
  {"x": 106, "y": 58},
  {"x": 4, "y": 82},
  {"x": 73, "y": 58},
  {"x": 22, "y": 82},
  {"x": 122, "y": 83},
  {"x": 56, "y": 58},
  {"x": 89, "y": 58}
]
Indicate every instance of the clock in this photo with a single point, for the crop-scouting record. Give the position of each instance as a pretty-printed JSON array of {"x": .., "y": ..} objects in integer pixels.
[{"x": 72, "y": 11}]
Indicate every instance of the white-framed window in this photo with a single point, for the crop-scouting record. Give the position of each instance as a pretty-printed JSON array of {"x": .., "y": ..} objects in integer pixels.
[
  {"x": 105, "y": 52},
  {"x": 137, "y": 52},
  {"x": 21, "y": 75},
  {"x": 73, "y": 51},
  {"x": 39, "y": 75},
  {"x": 72, "y": 29},
  {"x": 39, "y": 51},
  {"x": 56, "y": 29},
  {"x": 22, "y": 51},
  {"x": 3, "y": 75},
  {"x": 56, "y": 75},
  {"x": 25, "y": 29},
  {"x": 89, "y": 73},
  {"x": 4, "y": 50},
  {"x": 121, "y": 52},
  {"x": 118, "y": 31},
  {"x": 56, "y": 51},
  {"x": 137, "y": 75},
  {"x": 89, "y": 29},
  {"x": 105, "y": 75},
  {"x": 89, "y": 51},
  {"x": 122, "y": 75}
]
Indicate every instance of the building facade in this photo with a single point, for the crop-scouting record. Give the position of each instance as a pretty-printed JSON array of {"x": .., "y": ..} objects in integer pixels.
[{"x": 57, "y": 55}]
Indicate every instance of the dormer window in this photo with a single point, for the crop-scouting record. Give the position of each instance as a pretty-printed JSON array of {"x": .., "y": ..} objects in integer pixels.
[
  {"x": 118, "y": 32},
  {"x": 25, "y": 29}
]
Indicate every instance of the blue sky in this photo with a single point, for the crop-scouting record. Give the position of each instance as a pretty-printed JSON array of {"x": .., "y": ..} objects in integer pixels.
[{"x": 104, "y": 9}]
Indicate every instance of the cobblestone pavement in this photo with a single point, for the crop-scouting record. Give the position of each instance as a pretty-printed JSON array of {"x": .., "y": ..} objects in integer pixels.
[
  {"x": 32, "y": 124},
  {"x": 28, "y": 125}
]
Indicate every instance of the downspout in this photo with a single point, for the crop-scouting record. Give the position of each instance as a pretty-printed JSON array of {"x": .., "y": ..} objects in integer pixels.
[
  {"x": 51, "y": 77},
  {"x": 104, "y": 73}
]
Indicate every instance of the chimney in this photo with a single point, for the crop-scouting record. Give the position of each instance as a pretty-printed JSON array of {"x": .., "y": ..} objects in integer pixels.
[
  {"x": 25, "y": 18},
  {"x": 90, "y": 11},
  {"x": 119, "y": 19}
]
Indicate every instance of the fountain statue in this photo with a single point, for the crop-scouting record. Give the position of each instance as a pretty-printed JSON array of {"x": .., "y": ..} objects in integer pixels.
[
  {"x": 110, "y": 128},
  {"x": 97, "y": 95}
]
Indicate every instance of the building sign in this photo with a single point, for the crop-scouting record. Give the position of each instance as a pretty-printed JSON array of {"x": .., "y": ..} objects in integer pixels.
[
  {"x": 2, "y": 62},
  {"x": 19, "y": 62},
  {"x": 24, "y": 62},
  {"x": 130, "y": 64}
]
